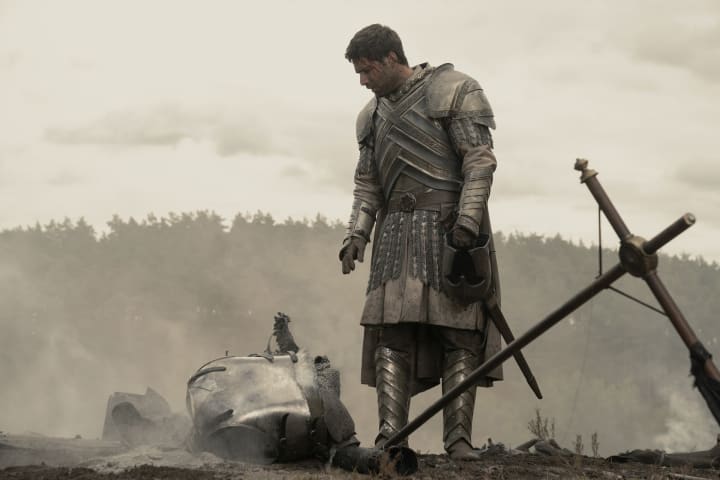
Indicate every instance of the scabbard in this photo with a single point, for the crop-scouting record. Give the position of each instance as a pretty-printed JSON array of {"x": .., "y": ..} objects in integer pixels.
[{"x": 501, "y": 324}]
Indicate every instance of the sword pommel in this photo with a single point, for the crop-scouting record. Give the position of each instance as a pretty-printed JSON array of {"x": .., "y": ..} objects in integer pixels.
[{"x": 581, "y": 165}]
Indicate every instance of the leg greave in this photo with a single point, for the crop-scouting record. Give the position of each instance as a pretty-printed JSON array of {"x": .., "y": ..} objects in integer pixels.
[
  {"x": 458, "y": 414},
  {"x": 392, "y": 384}
]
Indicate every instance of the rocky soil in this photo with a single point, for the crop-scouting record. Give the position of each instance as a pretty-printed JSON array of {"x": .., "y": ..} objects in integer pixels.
[{"x": 54, "y": 459}]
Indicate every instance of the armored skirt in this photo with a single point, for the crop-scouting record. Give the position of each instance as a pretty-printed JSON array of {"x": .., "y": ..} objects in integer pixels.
[{"x": 405, "y": 308}]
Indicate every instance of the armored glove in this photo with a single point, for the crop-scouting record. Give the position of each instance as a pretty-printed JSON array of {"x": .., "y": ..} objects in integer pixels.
[
  {"x": 352, "y": 249},
  {"x": 357, "y": 236},
  {"x": 462, "y": 237}
]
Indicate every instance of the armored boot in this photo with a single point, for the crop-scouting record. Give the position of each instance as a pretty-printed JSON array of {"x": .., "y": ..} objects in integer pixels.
[
  {"x": 458, "y": 414},
  {"x": 392, "y": 384}
]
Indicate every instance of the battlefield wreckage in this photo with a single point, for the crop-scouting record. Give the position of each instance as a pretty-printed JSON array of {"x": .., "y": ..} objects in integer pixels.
[{"x": 282, "y": 406}]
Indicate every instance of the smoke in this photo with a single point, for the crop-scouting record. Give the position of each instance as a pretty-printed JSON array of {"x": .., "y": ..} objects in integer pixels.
[
  {"x": 690, "y": 426},
  {"x": 150, "y": 304}
]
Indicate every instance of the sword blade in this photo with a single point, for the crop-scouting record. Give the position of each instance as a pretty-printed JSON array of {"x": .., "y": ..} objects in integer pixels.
[{"x": 501, "y": 324}]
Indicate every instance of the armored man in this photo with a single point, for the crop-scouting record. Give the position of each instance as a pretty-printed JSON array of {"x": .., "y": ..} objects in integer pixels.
[{"x": 422, "y": 181}]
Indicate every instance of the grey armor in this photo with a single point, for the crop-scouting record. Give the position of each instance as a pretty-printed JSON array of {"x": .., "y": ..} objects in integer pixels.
[
  {"x": 393, "y": 391},
  {"x": 424, "y": 229},
  {"x": 362, "y": 220},
  {"x": 458, "y": 415},
  {"x": 413, "y": 137},
  {"x": 282, "y": 405},
  {"x": 473, "y": 199},
  {"x": 408, "y": 136},
  {"x": 265, "y": 409},
  {"x": 425, "y": 166},
  {"x": 455, "y": 94},
  {"x": 365, "y": 205}
]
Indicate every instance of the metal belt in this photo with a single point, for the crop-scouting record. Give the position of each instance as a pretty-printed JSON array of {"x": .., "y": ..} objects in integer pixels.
[{"x": 422, "y": 201}]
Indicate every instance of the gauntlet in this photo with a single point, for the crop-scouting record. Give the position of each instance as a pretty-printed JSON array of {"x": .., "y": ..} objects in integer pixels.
[{"x": 357, "y": 235}]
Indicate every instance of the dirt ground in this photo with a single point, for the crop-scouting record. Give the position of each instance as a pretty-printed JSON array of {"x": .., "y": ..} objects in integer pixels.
[
  {"x": 431, "y": 467},
  {"x": 30, "y": 458}
]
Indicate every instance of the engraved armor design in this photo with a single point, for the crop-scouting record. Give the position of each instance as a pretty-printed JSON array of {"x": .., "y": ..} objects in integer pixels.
[
  {"x": 467, "y": 133},
  {"x": 393, "y": 391},
  {"x": 458, "y": 414},
  {"x": 431, "y": 134},
  {"x": 246, "y": 423},
  {"x": 264, "y": 409},
  {"x": 367, "y": 197},
  {"x": 426, "y": 165},
  {"x": 406, "y": 139},
  {"x": 422, "y": 182},
  {"x": 420, "y": 234}
]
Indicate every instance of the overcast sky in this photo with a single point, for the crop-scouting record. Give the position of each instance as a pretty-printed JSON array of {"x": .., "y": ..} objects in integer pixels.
[{"x": 135, "y": 107}]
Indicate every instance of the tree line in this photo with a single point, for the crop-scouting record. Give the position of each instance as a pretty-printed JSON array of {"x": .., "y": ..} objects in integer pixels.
[{"x": 148, "y": 301}]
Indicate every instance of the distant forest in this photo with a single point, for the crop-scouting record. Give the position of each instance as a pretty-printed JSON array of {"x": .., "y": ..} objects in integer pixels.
[{"x": 147, "y": 302}]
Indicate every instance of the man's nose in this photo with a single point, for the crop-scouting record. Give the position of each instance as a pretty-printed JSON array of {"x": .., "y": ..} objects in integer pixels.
[{"x": 363, "y": 79}]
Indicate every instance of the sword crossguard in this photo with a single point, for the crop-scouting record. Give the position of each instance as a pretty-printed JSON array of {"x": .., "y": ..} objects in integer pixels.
[{"x": 635, "y": 259}]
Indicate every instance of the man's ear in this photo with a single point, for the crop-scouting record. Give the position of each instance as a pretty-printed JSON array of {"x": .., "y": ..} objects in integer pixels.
[{"x": 392, "y": 57}]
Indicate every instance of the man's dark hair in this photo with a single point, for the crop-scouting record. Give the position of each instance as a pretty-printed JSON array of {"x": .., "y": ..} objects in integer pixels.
[{"x": 375, "y": 42}]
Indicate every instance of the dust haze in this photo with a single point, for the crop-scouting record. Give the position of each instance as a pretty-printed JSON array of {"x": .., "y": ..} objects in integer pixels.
[
  {"x": 151, "y": 300},
  {"x": 129, "y": 108}
]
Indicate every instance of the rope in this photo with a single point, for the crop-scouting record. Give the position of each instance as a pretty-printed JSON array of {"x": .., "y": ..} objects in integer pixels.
[
  {"x": 587, "y": 337},
  {"x": 582, "y": 372},
  {"x": 600, "y": 270}
]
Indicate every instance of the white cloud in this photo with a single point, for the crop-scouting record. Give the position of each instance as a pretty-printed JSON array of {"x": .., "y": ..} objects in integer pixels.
[{"x": 130, "y": 82}]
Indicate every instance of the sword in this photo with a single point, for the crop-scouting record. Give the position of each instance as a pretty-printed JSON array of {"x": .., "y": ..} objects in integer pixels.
[
  {"x": 501, "y": 324},
  {"x": 637, "y": 257}
]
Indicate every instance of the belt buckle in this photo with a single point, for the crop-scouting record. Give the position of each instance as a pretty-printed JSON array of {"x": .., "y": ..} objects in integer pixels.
[{"x": 407, "y": 202}]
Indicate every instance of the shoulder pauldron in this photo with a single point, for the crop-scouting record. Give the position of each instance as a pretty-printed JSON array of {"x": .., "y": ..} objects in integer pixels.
[
  {"x": 454, "y": 94},
  {"x": 364, "y": 120}
]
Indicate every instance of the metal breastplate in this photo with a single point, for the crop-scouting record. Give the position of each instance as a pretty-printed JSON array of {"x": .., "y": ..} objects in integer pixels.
[{"x": 409, "y": 141}]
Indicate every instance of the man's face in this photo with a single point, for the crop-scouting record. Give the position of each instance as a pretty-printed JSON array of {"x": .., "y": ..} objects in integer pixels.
[{"x": 378, "y": 76}]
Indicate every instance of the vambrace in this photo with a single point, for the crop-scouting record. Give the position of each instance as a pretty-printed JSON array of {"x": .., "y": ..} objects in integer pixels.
[
  {"x": 473, "y": 143},
  {"x": 367, "y": 197},
  {"x": 473, "y": 199},
  {"x": 362, "y": 220}
]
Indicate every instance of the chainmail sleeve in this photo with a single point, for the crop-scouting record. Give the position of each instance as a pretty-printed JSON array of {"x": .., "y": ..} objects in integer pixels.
[{"x": 473, "y": 144}]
